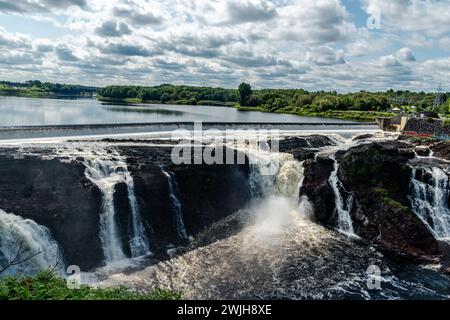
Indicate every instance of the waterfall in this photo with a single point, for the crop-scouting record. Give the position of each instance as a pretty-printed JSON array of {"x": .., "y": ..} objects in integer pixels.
[
  {"x": 139, "y": 243},
  {"x": 176, "y": 205},
  {"x": 269, "y": 172},
  {"x": 18, "y": 233},
  {"x": 429, "y": 201},
  {"x": 106, "y": 171},
  {"x": 342, "y": 207},
  {"x": 275, "y": 174}
]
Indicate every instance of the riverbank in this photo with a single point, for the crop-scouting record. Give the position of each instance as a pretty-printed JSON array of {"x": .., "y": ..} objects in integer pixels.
[
  {"x": 363, "y": 116},
  {"x": 37, "y": 89}
]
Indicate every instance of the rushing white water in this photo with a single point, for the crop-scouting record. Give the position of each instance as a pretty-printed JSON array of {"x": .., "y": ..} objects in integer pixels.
[
  {"x": 31, "y": 239},
  {"x": 342, "y": 209},
  {"x": 430, "y": 201},
  {"x": 176, "y": 205},
  {"x": 139, "y": 243},
  {"x": 277, "y": 253},
  {"x": 106, "y": 171}
]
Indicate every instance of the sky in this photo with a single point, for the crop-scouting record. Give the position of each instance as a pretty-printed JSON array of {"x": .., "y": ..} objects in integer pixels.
[{"x": 342, "y": 45}]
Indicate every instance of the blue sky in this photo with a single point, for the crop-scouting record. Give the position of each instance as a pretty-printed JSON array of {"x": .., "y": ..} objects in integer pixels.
[{"x": 311, "y": 44}]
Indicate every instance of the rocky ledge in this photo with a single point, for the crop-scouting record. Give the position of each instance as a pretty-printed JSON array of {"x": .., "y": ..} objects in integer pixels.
[
  {"x": 378, "y": 178},
  {"x": 53, "y": 191}
]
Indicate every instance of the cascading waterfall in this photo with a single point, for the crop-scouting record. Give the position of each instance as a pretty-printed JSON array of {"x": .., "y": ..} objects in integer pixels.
[
  {"x": 176, "y": 205},
  {"x": 342, "y": 207},
  {"x": 430, "y": 201},
  {"x": 275, "y": 174},
  {"x": 264, "y": 169},
  {"x": 32, "y": 239},
  {"x": 139, "y": 243},
  {"x": 275, "y": 179},
  {"x": 106, "y": 172}
]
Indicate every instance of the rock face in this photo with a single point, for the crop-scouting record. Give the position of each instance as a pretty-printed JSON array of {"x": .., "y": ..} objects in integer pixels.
[
  {"x": 442, "y": 150},
  {"x": 207, "y": 193},
  {"x": 378, "y": 177},
  {"x": 56, "y": 194},
  {"x": 303, "y": 148},
  {"x": 317, "y": 188}
]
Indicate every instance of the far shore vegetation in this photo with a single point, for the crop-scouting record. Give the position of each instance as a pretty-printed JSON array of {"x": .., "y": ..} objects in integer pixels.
[
  {"x": 38, "y": 89},
  {"x": 360, "y": 106}
]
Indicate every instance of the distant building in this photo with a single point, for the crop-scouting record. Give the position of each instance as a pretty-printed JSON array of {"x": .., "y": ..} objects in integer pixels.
[
  {"x": 396, "y": 110},
  {"x": 426, "y": 114}
]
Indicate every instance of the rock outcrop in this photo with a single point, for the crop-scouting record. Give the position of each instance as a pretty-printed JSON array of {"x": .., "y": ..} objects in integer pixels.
[
  {"x": 207, "y": 193},
  {"x": 378, "y": 177},
  {"x": 57, "y": 194},
  {"x": 303, "y": 148},
  {"x": 442, "y": 150},
  {"x": 317, "y": 188}
]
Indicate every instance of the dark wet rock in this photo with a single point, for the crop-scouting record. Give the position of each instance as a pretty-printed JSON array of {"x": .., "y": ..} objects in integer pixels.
[
  {"x": 378, "y": 176},
  {"x": 363, "y": 137},
  {"x": 317, "y": 188},
  {"x": 442, "y": 150},
  {"x": 423, "y": 151},
  {"x": 303, "y": 148},
  {"x": 445, "y": 261},
  {"x": 58, "y": 196},
  {"x": 207, "y": 193}
]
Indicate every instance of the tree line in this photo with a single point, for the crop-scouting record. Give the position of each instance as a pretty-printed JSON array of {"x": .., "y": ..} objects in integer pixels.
[
  {"x": 167, "y": 93},
  {"x": 46, "y": 87},
  {"x": 276, "y": 100}
]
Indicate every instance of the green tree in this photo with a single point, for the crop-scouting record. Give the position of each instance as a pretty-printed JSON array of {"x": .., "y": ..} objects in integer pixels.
[{"x": 245, "y": 91}]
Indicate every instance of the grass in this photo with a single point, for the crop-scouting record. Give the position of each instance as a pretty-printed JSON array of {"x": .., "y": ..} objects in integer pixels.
[
  {"x": 364, "y": 116},
  {"x": 48, "y": 286},
  {"x": 21, "y": 92}
]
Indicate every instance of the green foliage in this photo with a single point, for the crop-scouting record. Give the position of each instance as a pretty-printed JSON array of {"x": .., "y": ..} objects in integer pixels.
[
  {"x": 245, "y": 91},
  {"x": 47, "y": 286},
  {"x": 40, "y": 89},
  {"x": 368, "y": 171},
  {"x": 170, "y": 94},
  {"x": 446, "y": 122},
  {"x": 387, "y": 200},
  {"x": 361, "y": 106}
]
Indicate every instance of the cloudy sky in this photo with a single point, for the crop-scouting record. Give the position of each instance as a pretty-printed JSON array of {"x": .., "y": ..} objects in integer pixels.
[{"x": 342, "y": 45}]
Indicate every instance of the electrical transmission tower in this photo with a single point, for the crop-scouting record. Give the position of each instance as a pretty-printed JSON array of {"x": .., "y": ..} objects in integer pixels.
[{"x": 439, "y": 100}]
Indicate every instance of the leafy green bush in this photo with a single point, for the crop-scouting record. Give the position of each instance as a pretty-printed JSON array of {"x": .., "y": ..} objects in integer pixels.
[
  {"x": 387, "y": 200},
  {"x": 47, "y": 286}
]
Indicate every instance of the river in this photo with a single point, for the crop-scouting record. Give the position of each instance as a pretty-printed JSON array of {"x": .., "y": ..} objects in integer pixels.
[{"x": 17, "y": 111}]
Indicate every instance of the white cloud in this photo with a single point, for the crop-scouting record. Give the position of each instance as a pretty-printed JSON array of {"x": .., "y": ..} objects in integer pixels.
[{"x": 314, "y": 44}]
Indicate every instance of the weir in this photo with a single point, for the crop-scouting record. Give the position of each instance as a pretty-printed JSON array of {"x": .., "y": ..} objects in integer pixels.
[{"x": 30, "y": 132}]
